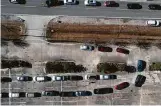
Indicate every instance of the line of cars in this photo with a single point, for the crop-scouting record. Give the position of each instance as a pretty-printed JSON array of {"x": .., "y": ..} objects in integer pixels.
[
  {"x": 140, "y": 80},
  {"x": 101, "y": 48},
  {"x": 93, "y": 3}
]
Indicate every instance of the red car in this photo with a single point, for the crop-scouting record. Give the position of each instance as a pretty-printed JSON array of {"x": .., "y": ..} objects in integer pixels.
[
  {"x": 104, "y": 49},
  {"x": 122, "y": 50},
  {"x": 111, "y": 4},
  {"x": 122, "y": 86}
]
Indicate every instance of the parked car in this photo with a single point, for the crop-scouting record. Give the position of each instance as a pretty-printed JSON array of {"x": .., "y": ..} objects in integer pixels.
[
  {"x": 90, "y": 3},
  {"x": 42, "y": 78},
  {"x": 103, "y": 90},
  {"x": 68, "y": 94},
  {"x": 111, "y": 4},
  {"x": 87, "y": 47},
  {"x": 60, "y": 78},
  {"x": 70, "y": 2},
  {"x": 122, "y": 85},
  {"x": 51, "y": 3},
  {"x": 134, "y": 6},
  {"x": 130, "y": 69},
  {"x": 4, "y": 95},
  {"x": 50, "y": 93},
  {"x": 140, "y": 80},
  {"x": 154, "y": 23},
  {"x": 76, "y": 78},
  {"x": 33, "y": 94},
  {"x": 104, "y": 49},
  {"x": 18, "y": 1},
  {"x": 17, "y": 94},
  {"x": 141, "y": 65},
  {"x": 6, "y": 79},
  {"x": 92, "y": 77},
  {"x": 107, "y": 77},
  {"x": 24, "y": 78},
  {"x": 154, "y": 7},
  {"x": 122, "y": 50},
  {"x": 83, "y": 93}
]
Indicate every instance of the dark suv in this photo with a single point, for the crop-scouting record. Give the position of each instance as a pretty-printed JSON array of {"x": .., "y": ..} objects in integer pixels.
[
  {"x": 140, "y": 80},
  {"x": 134, "y": 6}
]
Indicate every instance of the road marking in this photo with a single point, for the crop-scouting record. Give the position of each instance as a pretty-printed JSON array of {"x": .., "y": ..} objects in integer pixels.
[{"x": 29, "y": 6}]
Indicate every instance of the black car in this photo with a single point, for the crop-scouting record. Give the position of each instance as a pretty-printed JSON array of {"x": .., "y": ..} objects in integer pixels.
[
  {"x": 154, "y": 7},
  {"x": 24, "y": 78},
  {"x": 18, "y": 1},
  {"x": 76, "y": 78},
  {"x": 134, "y": 6},
  {"x": 130, "y": 69},
  {"x": 22, "y": 94},
  {"x": 103, "y": 90},
  {"x": 6, "y": 79},
  {"x": 50, "y": 93},
  {"x": 83, "y": 93},
  {"x": 68, "y": 94},
  {"x": 140, "y": 80},
  {"x": 4, "y": 95}
]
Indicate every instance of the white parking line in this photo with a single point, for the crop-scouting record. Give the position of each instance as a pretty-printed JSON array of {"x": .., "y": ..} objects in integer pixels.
[{"x": 29, "y": 6}]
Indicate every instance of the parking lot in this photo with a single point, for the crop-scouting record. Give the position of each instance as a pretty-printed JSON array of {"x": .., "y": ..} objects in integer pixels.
[{"x": 38, "y": 53}]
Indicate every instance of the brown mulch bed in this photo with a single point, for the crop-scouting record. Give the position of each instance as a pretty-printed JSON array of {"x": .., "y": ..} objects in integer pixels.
[
  {"x": 12, "y": 30},
  {"x": 65, "y": 32}
]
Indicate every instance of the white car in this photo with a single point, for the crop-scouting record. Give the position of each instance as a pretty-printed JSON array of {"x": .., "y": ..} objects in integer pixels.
[
  {"x": 87, "y": 47},
  {"x": 33, "y": 94},
  {"x": 107, "y": 77},
  {"x": 18, "y": 1},
  {"x": 70, "y": 2},
  {"x": 42, "y": 78},
  {"x": 153, "y": 23},
  {"x": 14, "y": 95},
  {"x": 90, "y": 3}
]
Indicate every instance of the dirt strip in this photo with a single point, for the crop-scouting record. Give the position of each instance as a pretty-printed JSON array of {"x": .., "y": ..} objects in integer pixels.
[
  {"x": 12, "y": 30},
  {"x": 66, "y": 32}
]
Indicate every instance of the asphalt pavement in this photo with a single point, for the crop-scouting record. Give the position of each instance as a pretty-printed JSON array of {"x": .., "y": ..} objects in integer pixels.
[{"x": 36, "y": 7}]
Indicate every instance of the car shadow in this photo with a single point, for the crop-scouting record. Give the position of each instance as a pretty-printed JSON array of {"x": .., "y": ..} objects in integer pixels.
[{"x": 20, "y": 43}]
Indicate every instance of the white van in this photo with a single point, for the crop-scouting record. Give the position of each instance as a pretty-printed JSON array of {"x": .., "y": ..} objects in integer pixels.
[{"x": 153, "y": 23}]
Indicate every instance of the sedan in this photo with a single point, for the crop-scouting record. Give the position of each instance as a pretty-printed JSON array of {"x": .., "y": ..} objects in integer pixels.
[
  {"x": 60, "y": 78},
  {"x": 130, "y": 69},
  {"x": 154, "y": 7},
  {"x": 50, "y": 93},
  {"x": 70, "y": 2},
  {"x": 90, "y": 3},
  {"x": 122, "y": 50},
  {"x": 92, "y": 77},
  {"x": 4, "y": 95},
  {"x": 141, "y": 65},
  {"x": 76, "y": 78},
  {"x": 33, "y": 94},
  {"x": 68, "y": 94},
  {"x": 18, "y": 1},
  {"x": 140, "y": 80},
  {"x": 104, "y": 49},
  {"x": 111, "y": 4},
  {"x": 107, "y": 77},
  {"x": 17, "y": 94},
  {"x": 87, "y": 47},
  {"x": 42, "y": 78},
  {"x": 122, "y": 86},
  {"x": 6, "y": 79},
  {"x": 24, "y": 78},
  {"x": 103, "y": 90},
  {"x": 83, "y": 93},
  {"x": 134, "y": 6}
]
